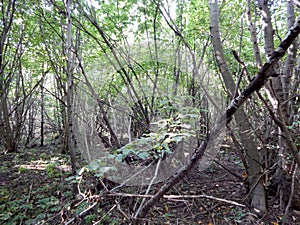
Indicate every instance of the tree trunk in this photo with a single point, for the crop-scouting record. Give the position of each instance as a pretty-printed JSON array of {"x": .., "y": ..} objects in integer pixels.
[
  {"x": 257, "y": 195},
  {"x": 289, "y": 64},
  {"x": 42, "y": 114},
  {"x": 6, "y": 134},
  {"x": 70, "y": 90},
  {"x": 256, "y": 84}
]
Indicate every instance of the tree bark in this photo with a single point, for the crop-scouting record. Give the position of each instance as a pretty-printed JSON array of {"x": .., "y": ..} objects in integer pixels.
[
  {"x": 6, "y": 133},
  {"x": 278, "y": 93},
  {"x": 70, "y": 89},
  {"x": 253, "y": 167},
  {"x": 252, "y": 28},
  {"x": 289, "y": 64},
  {"x": 42, "y": 113},
  {"x": 256, "y": 84}
]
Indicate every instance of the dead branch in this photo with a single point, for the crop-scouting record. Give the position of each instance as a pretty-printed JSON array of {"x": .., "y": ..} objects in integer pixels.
[
  {"x": 291, "y": 195},
  {"x": 172, "y": 197},
  {"x": 256, "y": 84}
]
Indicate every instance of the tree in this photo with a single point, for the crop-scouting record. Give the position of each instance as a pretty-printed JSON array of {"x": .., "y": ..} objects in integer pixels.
[
  {"x": 8, "y": 13},
  {"x": 95, "y": 75},
  {"x": 15, "y": 93},
  {"x": 70, "y": 87},
  {"x": 280, "y": 95},
  {"x": 253, "y": 166}
]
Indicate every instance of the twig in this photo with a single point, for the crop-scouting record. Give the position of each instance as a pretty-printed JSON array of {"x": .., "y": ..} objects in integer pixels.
[
  {"x": 258, "y": 179},
  {"x": 149, "y": 187},
  {"x": 27, "y": 202},
  {"x": 103, "y": 185},
  {"x": 134, "y": 175},
  {"x": 82, "y": 214},
  {"x": 236, "y": 91},
  {"x": 121, "y": 211},
  {"x": 78, "y": 188},
  {"x": 256, "y": 84},
  {"x": 217, "y": 204},
  {"x": 239, "y": 146},
  {"x": 205, "y": 196},
  {"x": 236, "y": 175},
  {"x": 174, "y": 197},
  {"x": 111, "y": 209},
  {"x": 291, "y": 195}
]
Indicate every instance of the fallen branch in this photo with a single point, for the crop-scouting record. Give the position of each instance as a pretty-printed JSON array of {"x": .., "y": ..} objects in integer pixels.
[
  {"x": 170, "y": 197},
  {"x": 149, "y": 187},
  {"x": 205, "y": 196},
  {"x": 257, "y": 83}
]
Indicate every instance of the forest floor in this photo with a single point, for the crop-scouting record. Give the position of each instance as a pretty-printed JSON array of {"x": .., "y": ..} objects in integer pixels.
[{"x": 35, "y": 189}]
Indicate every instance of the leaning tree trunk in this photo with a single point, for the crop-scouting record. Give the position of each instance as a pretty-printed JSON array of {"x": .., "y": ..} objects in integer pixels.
[
  {"x": 253, "y": 167},
  {"x": 256, "y": 84}
]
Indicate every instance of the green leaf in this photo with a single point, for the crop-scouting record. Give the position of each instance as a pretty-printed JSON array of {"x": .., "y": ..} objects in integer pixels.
[
  {"x": 126, "y": 151},
  {"x": 105, "y": 169},
  {"x": 119, "y": 158},
  {"x": 71, "y": 178},
  {"x": 143, "y": 155},
  {"x": 93, "y": 165}
]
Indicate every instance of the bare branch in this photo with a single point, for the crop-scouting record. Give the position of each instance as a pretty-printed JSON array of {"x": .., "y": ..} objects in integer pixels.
[{"x": 256, "y": 84}]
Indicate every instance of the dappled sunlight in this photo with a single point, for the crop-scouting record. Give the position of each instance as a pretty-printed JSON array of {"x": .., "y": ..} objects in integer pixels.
[
  {"x": 44, "y": 164},
  {"x": 149, "y": 112}
]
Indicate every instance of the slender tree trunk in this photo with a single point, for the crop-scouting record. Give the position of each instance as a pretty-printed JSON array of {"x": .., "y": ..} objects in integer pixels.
[
  {"x": 256, "y": 84},
  {"x": 278, "y": 93},
  {"x": 289, "y": 65},
  {"x": 119, "y": 66},
  {"x": 70, "y": 64},
  {"x": 42, "y": 114},
  {"x": 177, "y": 53},
  {"x": 30, "y": 124},
  {"x": 155, "y": 33},
  {"x": 252, "y": 28},
  {"x": 5, "y": 124},
  {"x": 257, "y": 195}
]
